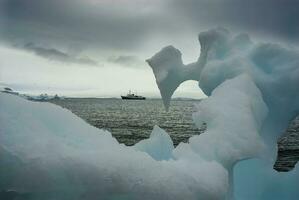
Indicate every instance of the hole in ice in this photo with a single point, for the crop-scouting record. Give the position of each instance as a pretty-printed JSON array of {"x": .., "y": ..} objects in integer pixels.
[{"x": 189, "y": 89}]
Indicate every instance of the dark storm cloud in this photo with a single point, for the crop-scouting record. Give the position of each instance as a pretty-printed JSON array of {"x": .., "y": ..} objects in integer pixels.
[
  {"x": 54, "y": 54},
  {"x": 127, "y": 61},
  {"x": 273, "y": 18},
  {"x": 127, "y": 25}
]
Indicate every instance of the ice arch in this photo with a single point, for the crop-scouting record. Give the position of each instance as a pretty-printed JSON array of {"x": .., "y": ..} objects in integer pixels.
[{"x": 270, "y": 70}]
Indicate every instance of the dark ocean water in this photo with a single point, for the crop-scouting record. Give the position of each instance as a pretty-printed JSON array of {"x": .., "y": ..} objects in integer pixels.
[{"x": 130, "y": 121}]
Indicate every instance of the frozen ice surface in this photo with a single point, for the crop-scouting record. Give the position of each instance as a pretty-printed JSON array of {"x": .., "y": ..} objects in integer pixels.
[
  {"x": 46, "y": 152},
  {"x": 252, "y": 91}
]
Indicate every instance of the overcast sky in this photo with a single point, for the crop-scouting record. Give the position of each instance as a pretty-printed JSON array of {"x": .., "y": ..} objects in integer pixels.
[{"x": 99, "y": 47}]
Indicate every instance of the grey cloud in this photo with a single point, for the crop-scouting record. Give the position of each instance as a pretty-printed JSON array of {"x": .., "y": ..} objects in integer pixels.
[
  {"x": 75, "y": 23},
  {"x": 54, "y": 54},
  {"x": 272, "y": 18},
  {"x": 127, "y": 61},
  {"x": 128, "y": 25}
]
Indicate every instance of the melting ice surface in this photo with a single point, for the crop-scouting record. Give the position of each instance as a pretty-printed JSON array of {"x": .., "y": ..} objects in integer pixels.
[{"x": 46, "y": 152}]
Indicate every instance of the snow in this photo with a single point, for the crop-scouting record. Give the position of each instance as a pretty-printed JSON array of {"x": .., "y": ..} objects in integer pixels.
[{"x": 252, "y": 91}]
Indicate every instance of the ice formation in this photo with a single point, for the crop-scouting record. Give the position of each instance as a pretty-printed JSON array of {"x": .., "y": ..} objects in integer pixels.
[
  {"x": 46, "y": 152},
  {"x": 253, "y": 91}
]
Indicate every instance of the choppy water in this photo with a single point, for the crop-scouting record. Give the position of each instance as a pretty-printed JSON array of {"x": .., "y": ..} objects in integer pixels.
[{"x": 132, "y": 121}]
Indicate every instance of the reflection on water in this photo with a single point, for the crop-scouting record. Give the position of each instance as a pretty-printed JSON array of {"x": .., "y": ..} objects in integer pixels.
[{"x": 132, "y": 121}]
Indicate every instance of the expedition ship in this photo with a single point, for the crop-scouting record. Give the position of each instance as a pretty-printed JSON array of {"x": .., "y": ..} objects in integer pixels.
[{"x": 132, "y": 96}]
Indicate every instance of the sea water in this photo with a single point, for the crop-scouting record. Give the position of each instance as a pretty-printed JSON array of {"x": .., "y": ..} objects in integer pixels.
[{"x": 132, "y": 120}]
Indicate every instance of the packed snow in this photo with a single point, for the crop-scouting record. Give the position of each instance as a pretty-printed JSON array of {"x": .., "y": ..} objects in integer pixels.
[{"x": 46, "y": 152}]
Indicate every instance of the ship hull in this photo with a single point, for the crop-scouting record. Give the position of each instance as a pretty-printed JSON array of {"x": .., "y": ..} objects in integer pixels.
[{"x": 133, "y": 98}]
